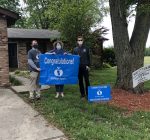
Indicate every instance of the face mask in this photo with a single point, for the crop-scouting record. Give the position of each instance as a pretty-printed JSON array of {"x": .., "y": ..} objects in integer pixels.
[
  {"x": 80, "y": 42},
  {"x": 58, "y": 46},
  {"x": 35, "y": 46}
]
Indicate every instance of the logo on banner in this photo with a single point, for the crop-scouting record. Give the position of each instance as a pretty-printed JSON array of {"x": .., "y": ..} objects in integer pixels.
[
  {"x": 58, "y": 72},
  {"x": 99, "y": 92}
]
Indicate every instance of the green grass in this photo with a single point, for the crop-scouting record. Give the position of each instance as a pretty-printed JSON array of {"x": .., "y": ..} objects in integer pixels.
[
  {"x": 147, "y": 60},
  {"x": 81, "y": 120}
]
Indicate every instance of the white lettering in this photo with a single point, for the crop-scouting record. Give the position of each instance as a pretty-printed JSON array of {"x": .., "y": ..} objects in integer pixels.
[{"x": 58, "y": 61}]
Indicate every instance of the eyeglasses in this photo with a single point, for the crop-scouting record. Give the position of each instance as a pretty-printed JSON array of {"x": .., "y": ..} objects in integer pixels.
[{"x": 80, "y": 40}]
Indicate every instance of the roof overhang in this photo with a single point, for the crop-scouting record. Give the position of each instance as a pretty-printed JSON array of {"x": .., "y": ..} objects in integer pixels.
[{"x": 10, "y": 16}]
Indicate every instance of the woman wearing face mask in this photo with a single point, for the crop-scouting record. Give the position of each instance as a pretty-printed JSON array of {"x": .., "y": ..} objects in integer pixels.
[{"x": 58, "y": 49}]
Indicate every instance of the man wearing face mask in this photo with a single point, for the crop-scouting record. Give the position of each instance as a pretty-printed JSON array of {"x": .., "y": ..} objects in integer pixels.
[
  {"x": 34, "y": 68},
  {"x": 58, "y": 49},
  {"x": 84, "y": 54}
]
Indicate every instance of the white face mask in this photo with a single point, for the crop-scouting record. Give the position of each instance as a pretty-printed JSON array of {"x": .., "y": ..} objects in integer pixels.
[
  {"x": 58, "y": 46},
  {"x": 80, "y": 42}
]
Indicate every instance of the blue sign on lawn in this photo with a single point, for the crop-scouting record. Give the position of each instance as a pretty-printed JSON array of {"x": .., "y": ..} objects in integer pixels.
[
  {"x": 58, "y": 69},
  {"x": 99, "y": 93}
]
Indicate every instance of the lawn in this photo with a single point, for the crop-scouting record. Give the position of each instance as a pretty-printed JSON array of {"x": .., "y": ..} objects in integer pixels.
[
  {"x": 146, "y": 60},
  {"x": 80, "y": 120}
]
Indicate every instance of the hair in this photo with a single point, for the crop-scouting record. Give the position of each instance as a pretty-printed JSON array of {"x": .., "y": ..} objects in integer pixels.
[
  {"x": 33, "y": 41},
  {"x": 60, "y": 42},
  {"x": 80, "y": 37}
]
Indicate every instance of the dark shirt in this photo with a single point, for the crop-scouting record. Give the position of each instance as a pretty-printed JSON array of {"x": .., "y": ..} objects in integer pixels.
[
  {"x": 33, "y": 55},
  {"x": 84, "y": 54}
]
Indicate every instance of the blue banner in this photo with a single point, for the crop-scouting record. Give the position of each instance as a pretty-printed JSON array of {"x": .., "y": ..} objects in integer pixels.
[
  {"x": 99, "y": 93},
  {"x": 58, "y": 69}
]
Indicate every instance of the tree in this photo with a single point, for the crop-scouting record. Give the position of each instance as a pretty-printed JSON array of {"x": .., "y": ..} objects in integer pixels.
[
  {"x": 76, "y": 17},
  {"x": 37, "y": 13},
  {"x": 12, "y": 5},
  {"x": 129, "y": 52}
]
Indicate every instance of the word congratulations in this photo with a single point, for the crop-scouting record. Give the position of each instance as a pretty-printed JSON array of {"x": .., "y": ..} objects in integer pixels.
[{"x": 58, "y": 61}]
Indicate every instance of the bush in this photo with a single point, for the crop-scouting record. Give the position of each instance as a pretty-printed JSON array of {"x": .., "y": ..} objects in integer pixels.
[
  {"x": 14, "y": 81},
  {"x": 17, "y": 71},
  {"x": 96, "y": 61},
  {"x": 25, "y": 74},
  {"x": 109, "y": 56}
]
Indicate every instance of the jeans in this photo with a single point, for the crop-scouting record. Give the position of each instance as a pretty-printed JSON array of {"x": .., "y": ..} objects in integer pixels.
[{"x": 59, "y": 88}]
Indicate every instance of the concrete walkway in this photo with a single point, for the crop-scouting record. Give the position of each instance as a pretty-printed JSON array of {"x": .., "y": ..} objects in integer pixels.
[{"x": 18, "y": 121}]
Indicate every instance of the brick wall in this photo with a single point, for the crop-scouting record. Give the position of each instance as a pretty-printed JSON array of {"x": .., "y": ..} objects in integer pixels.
[
  {"x": 4, "y": 66},
  {"x": 22, "y": 55}
]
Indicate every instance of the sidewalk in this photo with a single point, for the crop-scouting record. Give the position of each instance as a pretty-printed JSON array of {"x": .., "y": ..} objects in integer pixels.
[
  {"x": 24, "y": 123},
  {"x": 18, "y": 121}
]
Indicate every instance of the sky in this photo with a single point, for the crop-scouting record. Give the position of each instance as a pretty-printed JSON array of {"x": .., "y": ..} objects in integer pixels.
[{"x": 107, "y": 23}]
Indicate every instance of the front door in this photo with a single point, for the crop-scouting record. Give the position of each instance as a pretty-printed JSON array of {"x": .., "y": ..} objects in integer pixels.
[{"x": 12, "y": 50}]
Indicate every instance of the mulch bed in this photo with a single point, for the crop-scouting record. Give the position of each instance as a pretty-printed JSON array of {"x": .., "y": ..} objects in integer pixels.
[{"x": 130, "y": 101}]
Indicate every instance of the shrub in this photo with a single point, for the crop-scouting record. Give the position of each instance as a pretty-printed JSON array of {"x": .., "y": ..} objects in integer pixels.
[
  {"x": 109, "y": 56},
  {"x": 17, "y": 71},
  {"x": 25, "y": 74},
  {"x": 14, "y": 81},
  {"x": 96, "y": 61}
]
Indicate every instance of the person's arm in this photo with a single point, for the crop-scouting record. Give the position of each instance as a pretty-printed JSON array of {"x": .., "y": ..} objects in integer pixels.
[{"x": 31, "y": 63}]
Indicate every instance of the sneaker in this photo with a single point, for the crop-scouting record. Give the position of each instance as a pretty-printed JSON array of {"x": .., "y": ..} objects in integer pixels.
[
  {"x": 31, "y": 96},
  {"x": 57, "y": 95},
  {"x": 62, "y": 94}
]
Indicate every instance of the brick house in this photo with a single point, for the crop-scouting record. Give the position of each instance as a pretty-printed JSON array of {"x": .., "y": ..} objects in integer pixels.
[
  {"x": 19, "y": 42},
  {"x": 15, "y": 43},
  {"x": 7, "y": 18}
]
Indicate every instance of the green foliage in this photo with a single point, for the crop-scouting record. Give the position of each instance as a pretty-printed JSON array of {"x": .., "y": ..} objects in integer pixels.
[
  {"x": 109, "y": 56},
  {"x": 14, "y": 81},
  {"x": 37, "y": 17},
  {"x": 12, "y": 5},
  {"x": 25, "y": 74},
  {"x": 17, "y": 72},
  {"x": 96, "y": 61},
  {"x": 77, "y": 17}
]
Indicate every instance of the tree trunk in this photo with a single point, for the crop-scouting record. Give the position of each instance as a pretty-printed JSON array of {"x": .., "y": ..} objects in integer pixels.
[
  {"x": 129, "y": 54},
  {"x": 139, "y": 38}
]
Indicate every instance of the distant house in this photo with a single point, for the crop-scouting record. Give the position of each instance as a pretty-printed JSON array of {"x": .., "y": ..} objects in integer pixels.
[{"x": 19, "y": 42}]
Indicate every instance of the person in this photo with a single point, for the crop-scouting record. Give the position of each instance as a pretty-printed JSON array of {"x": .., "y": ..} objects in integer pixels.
[
  {"x": 84, "y": 68},
  {"x": 58, "y": 49},
  {"x": 34, "y": 68}
]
